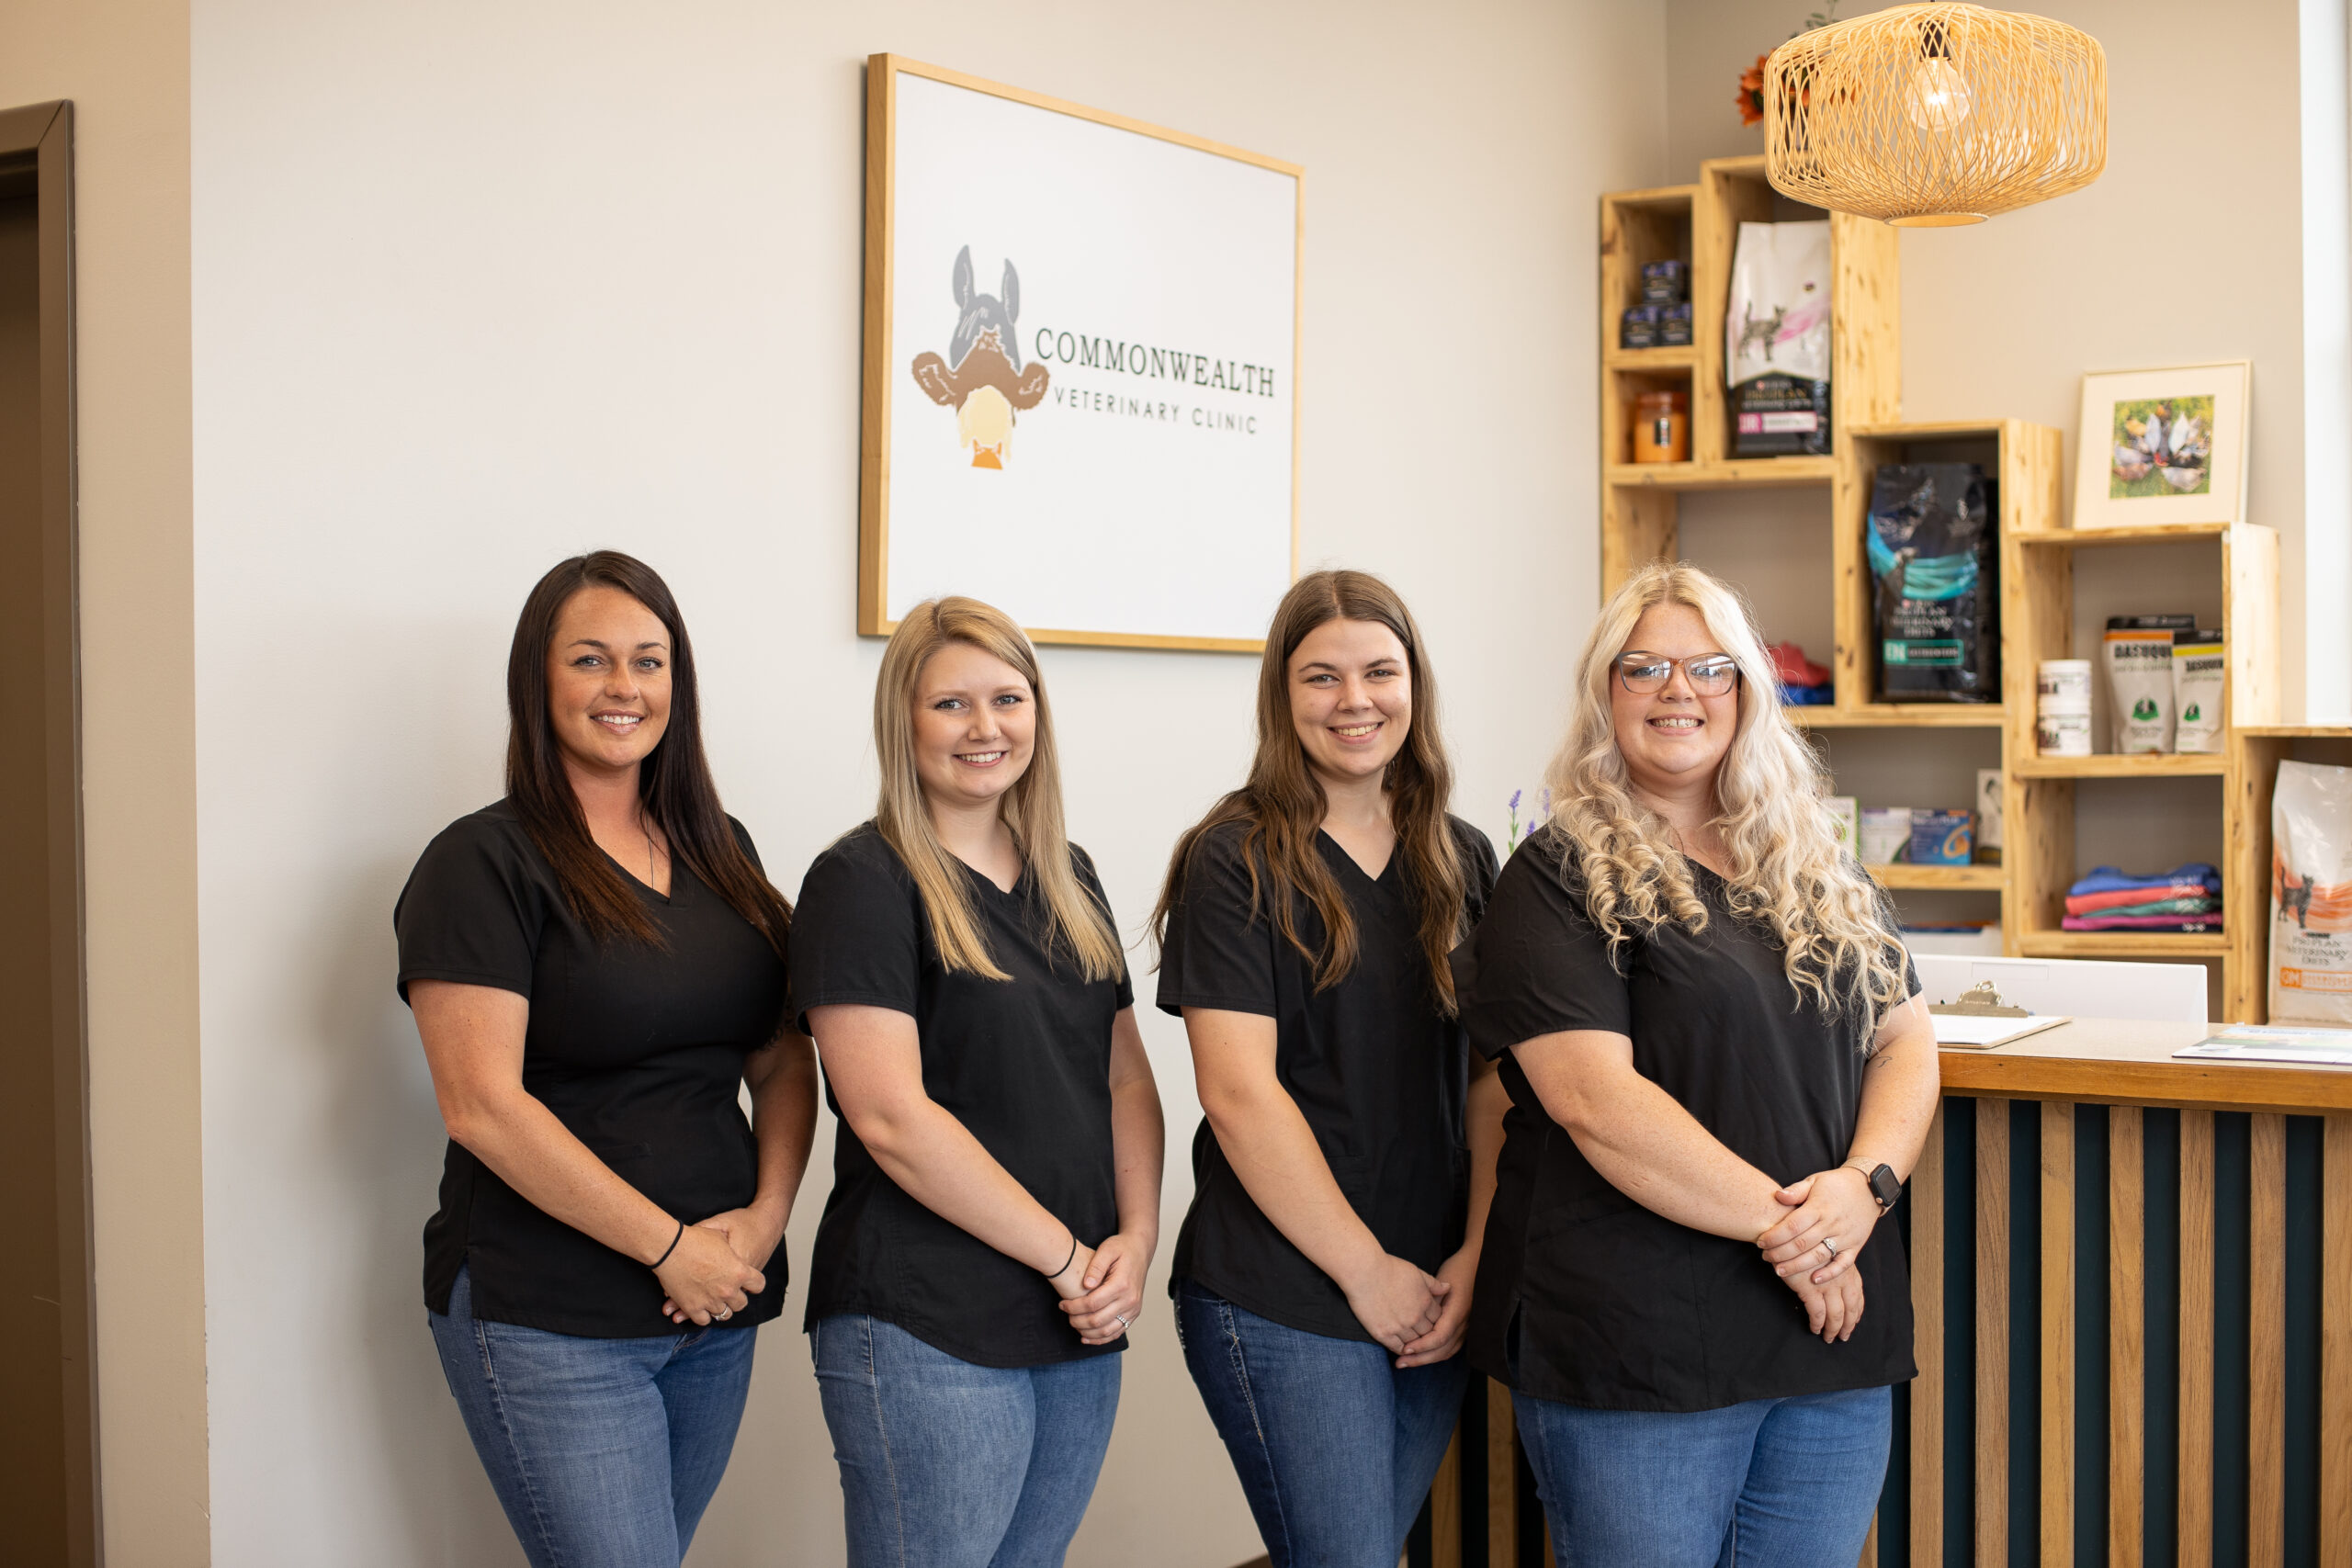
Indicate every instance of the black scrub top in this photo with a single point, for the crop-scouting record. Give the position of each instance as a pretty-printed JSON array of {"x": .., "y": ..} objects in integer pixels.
[
  {"x": 639, "y": 1051},
  {"x": 1586, "y": 1297},
  {"x": 1023, "y": 1064},
  {"x": 1378, "y": 1073}
]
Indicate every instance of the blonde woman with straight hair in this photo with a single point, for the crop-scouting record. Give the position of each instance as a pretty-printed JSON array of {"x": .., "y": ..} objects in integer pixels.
[
  {"x": 996, "y": 1186},
  {"x": 1718, "y": 1082}
]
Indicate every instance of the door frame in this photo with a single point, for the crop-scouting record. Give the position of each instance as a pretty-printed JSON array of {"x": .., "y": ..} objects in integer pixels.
[{"x": 37, "y": 153}]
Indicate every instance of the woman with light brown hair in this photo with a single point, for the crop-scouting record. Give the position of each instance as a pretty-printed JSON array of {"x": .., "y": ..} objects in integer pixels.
[
  {"x": 1322, "y": 1278},
  {"x": 1718, "y": 1082},
  {"x": 996, "y": 1186}
]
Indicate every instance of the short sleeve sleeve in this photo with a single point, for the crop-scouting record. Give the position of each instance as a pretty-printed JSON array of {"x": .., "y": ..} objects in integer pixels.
[
  {"x": 1091, "y": 880},
  {"x": 856, "y": 939},
  {"x": 1536, "y": 966},
  {"x": 472, "y": 911},
  {"x": 1220, "y": 950}
]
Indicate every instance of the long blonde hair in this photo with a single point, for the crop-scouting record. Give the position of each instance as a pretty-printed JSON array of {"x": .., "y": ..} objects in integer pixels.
[
  {"x": 1077, "y": 924},
  {"x": 1788, "y": 873}
]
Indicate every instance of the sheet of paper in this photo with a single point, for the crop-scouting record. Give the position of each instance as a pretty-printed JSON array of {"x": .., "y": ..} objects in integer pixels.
[
  {"x": 2258, "y": 1043},
  {"x": 1983, "y": 1033}
]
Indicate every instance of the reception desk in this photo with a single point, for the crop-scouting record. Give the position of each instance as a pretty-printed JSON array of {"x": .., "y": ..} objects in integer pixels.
[{"x": 2132, "y": 1281}]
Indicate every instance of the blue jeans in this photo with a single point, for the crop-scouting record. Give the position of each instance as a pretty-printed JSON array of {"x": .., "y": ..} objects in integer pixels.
[
  {"x": 1335, "y": 1447},
  {"x": 604, "y": 1452},
  {"x": 1770, "y": 1484},
  {"x": 945, "y": 1464}
]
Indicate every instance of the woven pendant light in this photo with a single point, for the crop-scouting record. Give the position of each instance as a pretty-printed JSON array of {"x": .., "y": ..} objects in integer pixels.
[{"x": 1934, "y": 115}]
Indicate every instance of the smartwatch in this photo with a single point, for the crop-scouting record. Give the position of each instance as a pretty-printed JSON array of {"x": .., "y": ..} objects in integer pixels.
[{"x": 1885, "y": 1186}]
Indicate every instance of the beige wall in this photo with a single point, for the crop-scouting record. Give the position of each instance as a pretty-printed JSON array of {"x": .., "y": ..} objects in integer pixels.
[
  {"x": 481, "y": 284},
  {"x": 124, "y": 63},
  {"x": 2188, "y": 248}
]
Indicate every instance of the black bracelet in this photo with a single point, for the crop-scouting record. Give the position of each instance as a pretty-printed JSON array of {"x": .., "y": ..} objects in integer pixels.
[
  {"x": 681, "y": 1236},
  {"x": 1066, "y": 1261}
]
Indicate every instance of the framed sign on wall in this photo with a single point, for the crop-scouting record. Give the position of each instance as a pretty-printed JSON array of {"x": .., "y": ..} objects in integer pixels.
[{"x": 1081, "y": 368}]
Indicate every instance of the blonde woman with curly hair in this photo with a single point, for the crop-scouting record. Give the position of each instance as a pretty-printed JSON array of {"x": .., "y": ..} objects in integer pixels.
[
  {"x": 1718, "y": 1080},
  {"x": 996, "y": 1174}
]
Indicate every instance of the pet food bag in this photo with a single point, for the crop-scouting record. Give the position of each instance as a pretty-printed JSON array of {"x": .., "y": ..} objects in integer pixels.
[
  {"x": 1776, "y": 339},
  {"x": 2310, "y": 894},
  {"x": 1935, "y": 563},
  {"x": 2201, "y": 668},
  {"x": 2138, "y": 675}
]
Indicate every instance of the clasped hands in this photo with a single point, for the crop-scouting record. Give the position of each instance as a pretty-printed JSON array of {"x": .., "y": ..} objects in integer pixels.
[
  {"x": 1101, "y": 1287},
  {"x": 714, "y": 1270},
  {"x": 1812, "y": 1248}
]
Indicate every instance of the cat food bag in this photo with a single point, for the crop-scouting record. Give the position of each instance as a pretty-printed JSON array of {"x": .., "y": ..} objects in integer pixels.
[
  {"x": 1776, "y": 339},
  {"x": 2310, "y": 894},
  {"x": 1935, "y": 566}
]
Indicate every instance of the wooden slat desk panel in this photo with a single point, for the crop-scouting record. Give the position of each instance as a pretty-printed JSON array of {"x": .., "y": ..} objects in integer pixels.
[{"x": 2149, "y": 1099}]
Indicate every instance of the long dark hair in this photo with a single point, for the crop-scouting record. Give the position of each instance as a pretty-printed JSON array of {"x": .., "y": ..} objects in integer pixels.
[
  {"x": 1283, "y": 805},
  {"x": 674, "y": 783}
]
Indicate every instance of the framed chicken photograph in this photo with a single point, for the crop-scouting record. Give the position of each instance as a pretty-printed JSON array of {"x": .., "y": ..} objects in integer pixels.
[
  {"x": 2163, "y": 447},
  {"x": 1081, "y": 368}
]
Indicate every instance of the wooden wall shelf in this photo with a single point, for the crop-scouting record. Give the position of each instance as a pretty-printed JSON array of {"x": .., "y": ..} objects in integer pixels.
[
  {"x": 2081, "y": 538},
  {"x": 1951, "y": 878},
  {"x": 1641, "y": 505},
  {"x": 2122, "y": 944},
  {"x": 1901, "y": 715},
  {"x": 2118, "y": 766}
]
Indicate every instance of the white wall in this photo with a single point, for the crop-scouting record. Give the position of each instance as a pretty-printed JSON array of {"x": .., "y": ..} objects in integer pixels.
[
  {"x": 2188, "y": 248},
  {"x": 480, "y": 285}
]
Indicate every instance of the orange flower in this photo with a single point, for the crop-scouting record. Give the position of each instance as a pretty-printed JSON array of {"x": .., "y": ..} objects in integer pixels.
[{"x": 1751, "y": 94}]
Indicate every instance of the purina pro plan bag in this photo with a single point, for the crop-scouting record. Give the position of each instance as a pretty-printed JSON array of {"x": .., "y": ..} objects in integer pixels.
[{"x": 2310, "y": 894}]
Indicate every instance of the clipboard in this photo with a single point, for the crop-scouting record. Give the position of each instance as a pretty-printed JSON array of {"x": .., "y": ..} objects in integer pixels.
[{"x": 1965, "y": 1031}]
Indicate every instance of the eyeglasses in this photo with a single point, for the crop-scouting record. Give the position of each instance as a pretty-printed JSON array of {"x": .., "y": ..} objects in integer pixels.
[{"x": 1710, "y": 674}]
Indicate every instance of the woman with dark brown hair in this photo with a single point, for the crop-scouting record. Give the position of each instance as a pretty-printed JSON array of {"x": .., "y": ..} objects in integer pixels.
[
  {"x": 597, "y": 965},
  {"x": 1322, "y": 1278}
]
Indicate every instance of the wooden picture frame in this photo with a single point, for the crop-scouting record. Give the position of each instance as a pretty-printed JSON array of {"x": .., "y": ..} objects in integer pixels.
[
  {"x": 2164, "y": 447},
  {"x": 1123, "y": 472}
]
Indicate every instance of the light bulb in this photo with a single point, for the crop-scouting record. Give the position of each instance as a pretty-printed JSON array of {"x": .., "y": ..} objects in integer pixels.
[{"x": 1938, "y": 98}]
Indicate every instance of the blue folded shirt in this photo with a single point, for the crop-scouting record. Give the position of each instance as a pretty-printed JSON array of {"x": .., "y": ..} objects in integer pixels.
[{"x": 2107, "y": 879}]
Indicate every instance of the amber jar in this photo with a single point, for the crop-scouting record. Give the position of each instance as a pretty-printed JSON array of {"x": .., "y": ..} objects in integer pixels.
[{"x": 1662, "y": 427}]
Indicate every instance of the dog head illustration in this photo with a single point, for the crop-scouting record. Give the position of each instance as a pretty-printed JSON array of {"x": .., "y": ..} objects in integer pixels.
[{"x": 981, "y": 379}]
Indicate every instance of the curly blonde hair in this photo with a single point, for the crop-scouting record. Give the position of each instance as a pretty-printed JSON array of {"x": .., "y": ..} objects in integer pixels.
[{"x": 1788, "y": 873}]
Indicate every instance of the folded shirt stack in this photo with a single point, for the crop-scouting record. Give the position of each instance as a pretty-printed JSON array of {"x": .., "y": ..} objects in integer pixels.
[{"x": 2186, "y": 898}]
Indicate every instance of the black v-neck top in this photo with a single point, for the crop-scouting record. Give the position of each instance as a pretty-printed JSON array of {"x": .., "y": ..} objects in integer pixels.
[
  {"x": 1023, "y": 1064},
  {"x": 639, "y": 1051},
  {"x": 1378, "y": 1073},
  {"x": 1585, "y": 1296}
]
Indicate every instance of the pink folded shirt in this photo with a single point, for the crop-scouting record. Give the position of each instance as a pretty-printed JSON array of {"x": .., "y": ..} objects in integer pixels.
[
  {"x": 2211, "y": 922},
  {"x": 2091, "y": 903}
]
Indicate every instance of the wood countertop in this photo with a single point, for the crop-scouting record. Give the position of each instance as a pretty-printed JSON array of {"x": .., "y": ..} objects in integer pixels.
[{"x": 2112, "y": 1061}]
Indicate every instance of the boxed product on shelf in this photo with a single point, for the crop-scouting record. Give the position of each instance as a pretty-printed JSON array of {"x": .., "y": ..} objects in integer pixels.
[
  {"x": 1845, "y": 815},
  {"x": 1674, "y": 325},
  {"x": 1988, "y": 817},
  {"x": 1638, "y": 328},
  {"x": 1959, "y": 938},
  {"x": 1883, "y": 836},
  {"x": 1942, "y": 838},
  {"x": 1665, "y": 282}
]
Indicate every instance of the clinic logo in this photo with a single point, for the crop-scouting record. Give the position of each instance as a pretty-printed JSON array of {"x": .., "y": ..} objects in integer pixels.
[{"x": 981, "y": 379}]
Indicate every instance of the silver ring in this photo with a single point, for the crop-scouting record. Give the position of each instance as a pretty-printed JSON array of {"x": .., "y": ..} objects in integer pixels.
[
  {"x": 1123, "y": 1321},
  {"x": 1829, "y": 1245},
  {"x": 727, "y": 1313}
]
